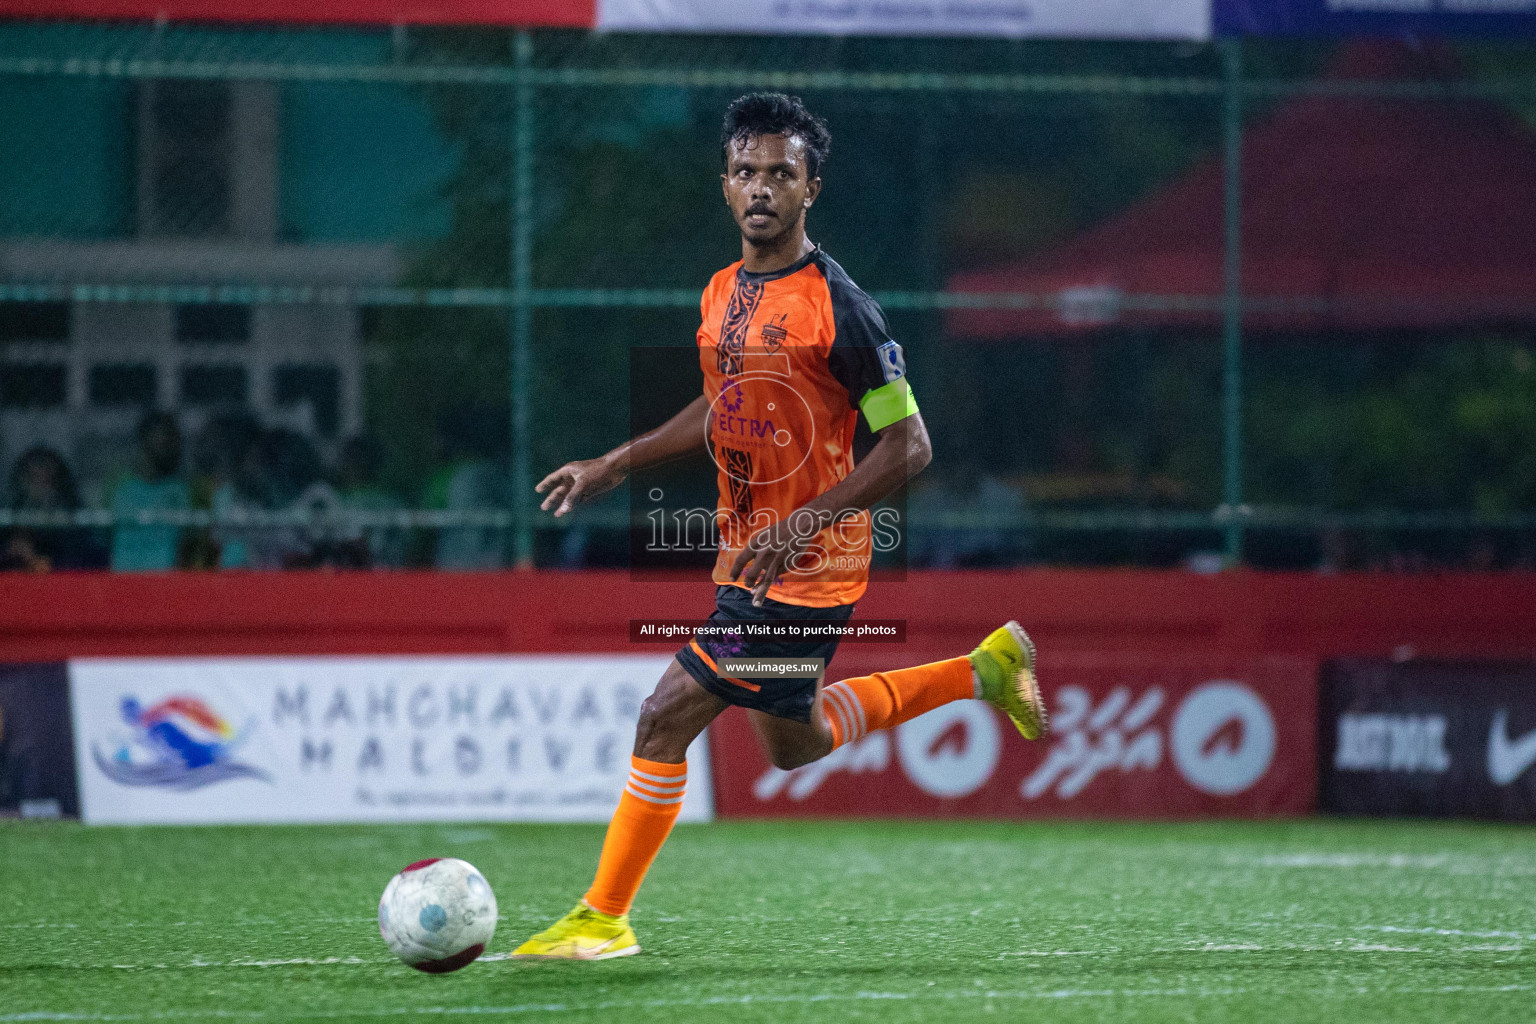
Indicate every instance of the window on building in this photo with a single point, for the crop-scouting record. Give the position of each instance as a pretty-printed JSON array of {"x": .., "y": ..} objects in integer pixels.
[
  {"x": 188, "y": 188},
  {"x": 213, "y": 385},
  {"x": 33, "y": 385},
  {"x": 34, "y": 321},
  {"x": 122, "y": 384},
  {"x": 213, "y": 323},
  {"x": 316, "y": 383}
]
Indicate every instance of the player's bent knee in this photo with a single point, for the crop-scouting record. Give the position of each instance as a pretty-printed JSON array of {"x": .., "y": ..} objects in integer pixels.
[
  {"x": 789, "y": 760},
  {"x": 671, "y": 718},
  {"x": 658, "y": 735},
  {"x": 788, "y": 757}
]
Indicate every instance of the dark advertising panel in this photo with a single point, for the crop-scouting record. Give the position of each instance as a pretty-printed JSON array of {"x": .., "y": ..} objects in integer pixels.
[
  {"x": 1436, "y": 738},
  {"x": 37, "y": 753},
  {"x": 1372, "y": 17}
]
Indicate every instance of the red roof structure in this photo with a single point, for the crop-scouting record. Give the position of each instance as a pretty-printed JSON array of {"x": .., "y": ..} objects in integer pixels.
[{"x": 1357, "y": 214}]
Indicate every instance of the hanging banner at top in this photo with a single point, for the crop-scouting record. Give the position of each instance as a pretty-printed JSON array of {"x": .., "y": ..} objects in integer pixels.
[
  {"x": 1097, "y": 19},
  {"x": 1374, "y": 17},
  {"x": 1425, "y": 18},
  {"x": 550, "y": 13},
  {"x": 1102, "y": 19},
  {"x": 1013, "y": 19}
]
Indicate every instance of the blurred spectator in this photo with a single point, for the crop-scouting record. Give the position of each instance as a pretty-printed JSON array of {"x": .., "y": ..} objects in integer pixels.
[
  {"x": 273, "y": 472},
  {"x": 42, "y": 482},
  {"x": 357, "y": 478},
  {"x": 155, "y": 485},
  {"x": 296, "y": 477},
  {"x": 19, "y": 554},
  {"x": 475, "y": 480},
  {"x": 240, "y": 489},
  {"x": 217, "y": 452},
  {"x": 216, "y": 456},
  {"x": 292, "y": 466}
]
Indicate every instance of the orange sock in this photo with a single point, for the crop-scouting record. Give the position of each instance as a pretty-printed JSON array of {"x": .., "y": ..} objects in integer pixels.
[
  {"x": 857, "y": 706},
  {"x": 648, "y": 807}
]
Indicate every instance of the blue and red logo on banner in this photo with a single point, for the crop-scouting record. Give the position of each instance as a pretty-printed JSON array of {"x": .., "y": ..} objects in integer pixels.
[{"x": 176, "y": 743}]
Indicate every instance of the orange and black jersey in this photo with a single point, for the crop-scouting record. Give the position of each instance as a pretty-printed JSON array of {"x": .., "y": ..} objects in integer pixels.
[{"x": 790, "y": 359}]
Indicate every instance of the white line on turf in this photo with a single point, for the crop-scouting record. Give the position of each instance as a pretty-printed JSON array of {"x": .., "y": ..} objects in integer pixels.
[
  {"x": 1442, "y": 931},
  {"x": 221, "y": 924},
  {"x": 745, "y": 1000},
  {"x": 241, "y": 922},
  {"x": 1390, "y": 929},
  {"x": 1337, "y": 946},
  {"x": 1456, "y": 863}
]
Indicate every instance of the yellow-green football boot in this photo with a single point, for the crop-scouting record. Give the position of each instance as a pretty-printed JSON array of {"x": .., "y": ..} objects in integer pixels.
[
  {"x": 1005, "y": 663},
  {"x": 583, "y": 934}
]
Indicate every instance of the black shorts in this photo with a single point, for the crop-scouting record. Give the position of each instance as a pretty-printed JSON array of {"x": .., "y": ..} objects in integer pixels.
[{"x": 782, "y": 698}]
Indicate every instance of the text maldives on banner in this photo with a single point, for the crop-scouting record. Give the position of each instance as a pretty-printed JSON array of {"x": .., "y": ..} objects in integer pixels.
[
  {"x": 1129, "y": 738},
  {"x": 528, "y": 738},
  {"x": 1099, "y": 19}
]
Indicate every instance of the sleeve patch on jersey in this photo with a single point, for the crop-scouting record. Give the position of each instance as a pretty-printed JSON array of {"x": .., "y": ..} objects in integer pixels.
[
  {"x": 889, "y": 404},
  {"x": 893, "y": 361}
]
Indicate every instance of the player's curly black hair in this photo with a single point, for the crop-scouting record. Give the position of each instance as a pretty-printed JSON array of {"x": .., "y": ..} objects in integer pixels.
[{"x": 773, "y": 113}]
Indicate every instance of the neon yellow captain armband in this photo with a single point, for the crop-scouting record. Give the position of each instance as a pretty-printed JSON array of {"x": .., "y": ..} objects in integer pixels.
[{"x": 890, "y": 403}]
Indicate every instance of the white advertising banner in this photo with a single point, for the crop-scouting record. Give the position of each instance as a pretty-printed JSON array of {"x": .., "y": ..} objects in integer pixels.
[
  {"x": 1101, "y": 19},
  {"x": 513, "y": 738}
]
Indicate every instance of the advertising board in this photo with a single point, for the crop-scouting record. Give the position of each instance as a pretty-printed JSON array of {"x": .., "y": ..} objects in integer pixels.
[
  {"x": 517, "y": 738},
  {"x": 1130, "y": 737},
  {"x": 1437, "y": 738}
]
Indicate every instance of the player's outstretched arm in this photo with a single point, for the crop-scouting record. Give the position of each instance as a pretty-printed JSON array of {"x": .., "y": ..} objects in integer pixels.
[
  {"x": 900, "y": 453},
  {"x": 585, "y": 479}
]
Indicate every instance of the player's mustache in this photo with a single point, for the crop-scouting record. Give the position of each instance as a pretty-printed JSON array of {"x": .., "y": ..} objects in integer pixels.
[{"x": 758, "y": 208}]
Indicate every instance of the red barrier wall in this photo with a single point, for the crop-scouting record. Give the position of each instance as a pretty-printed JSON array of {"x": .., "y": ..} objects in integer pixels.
[
  {"x": 564, "y": 13},
  {"x": 1244, "y": 613}
]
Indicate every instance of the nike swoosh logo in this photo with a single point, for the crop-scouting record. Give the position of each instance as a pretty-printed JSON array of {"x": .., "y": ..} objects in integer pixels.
[{"x": 1508, "y": 759}]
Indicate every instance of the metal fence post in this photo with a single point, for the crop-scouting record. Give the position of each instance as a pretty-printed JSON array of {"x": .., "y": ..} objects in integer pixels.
[
  {"x": 1232, "y": 303},
  {"x": 520, "y": 267}
]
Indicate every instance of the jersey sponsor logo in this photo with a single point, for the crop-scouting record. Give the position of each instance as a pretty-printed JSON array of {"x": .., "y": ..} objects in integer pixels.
[
  {"x": 1508, "y": 758},
  {"x": 733, "y": 329},
  {"x": 731, "y": 395},
  {"x": 765, "y": 414},
  {"x": 774, "y": 333},
  {"x": 893, "y": 362}
]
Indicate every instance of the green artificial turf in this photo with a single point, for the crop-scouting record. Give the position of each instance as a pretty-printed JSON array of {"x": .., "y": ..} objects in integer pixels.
[{"x": 1302, "y": 921}]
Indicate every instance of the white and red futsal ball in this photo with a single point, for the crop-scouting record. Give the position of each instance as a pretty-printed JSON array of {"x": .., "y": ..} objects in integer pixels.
[{"x": 438, "y": 915}]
